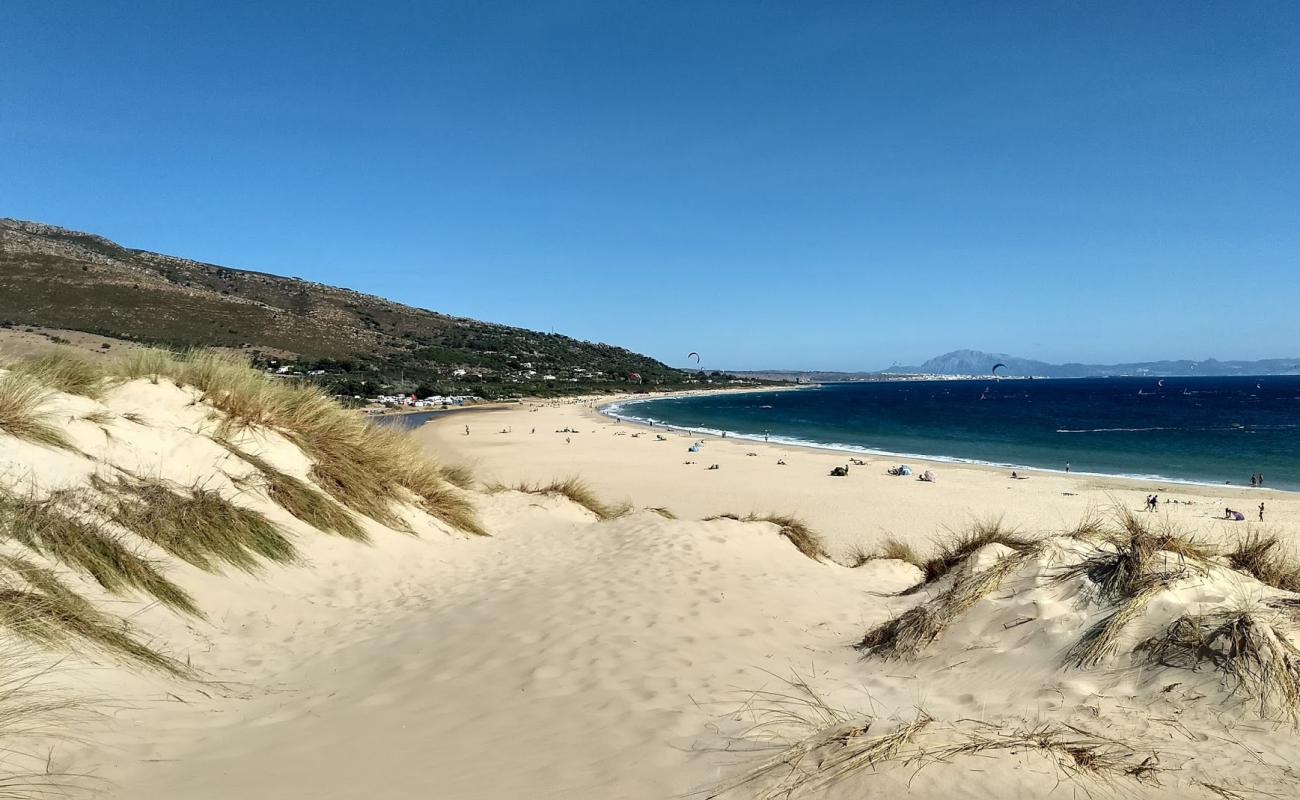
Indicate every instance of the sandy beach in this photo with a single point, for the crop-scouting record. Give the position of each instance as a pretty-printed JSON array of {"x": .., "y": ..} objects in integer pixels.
[
  {"x": 629, "y": 461},
  {"x": 549, "y": 647}
]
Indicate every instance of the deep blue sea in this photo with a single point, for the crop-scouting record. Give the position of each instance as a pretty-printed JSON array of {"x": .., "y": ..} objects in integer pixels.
[{"x": 1205, "y": 430}]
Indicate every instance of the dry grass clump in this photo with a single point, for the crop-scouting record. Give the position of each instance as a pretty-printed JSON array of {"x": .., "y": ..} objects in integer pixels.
[
  {"x": 98, "y": 417},
  {"x": 663, "y": 512},
  {"x": 458, "y": 475},
  {"x": 300, "y": 499},
  {"x": 797, "y": 531},
  {"x": 1263, "y": 557},
  {"x": 957, "y": 546},
  {"x": 196, "y": 525},
  {"x": 1101, "y": 641},
  {"x": 817, "y": 744},
  {"x": 1134, "y": 553},
  {"x": 23, "y": 414},
  {"x": 363, "y": 466},
  {"x": 889, "y": 550},
  {"x": 52, "y": 528},
  {"x": 1077, "y": 752},
  {"x": 63, "y": 370},
  {"x": 907, "y": 635},
  {"x": 37, "y": 606},
  {"x": 144, "y": 362},
  {"x": 1246, "y": 647},
  {"x": 577, "y": 491}
]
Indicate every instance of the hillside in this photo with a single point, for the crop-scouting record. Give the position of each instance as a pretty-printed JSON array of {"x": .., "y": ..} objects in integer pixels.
[{"x": 62, "y": 279}]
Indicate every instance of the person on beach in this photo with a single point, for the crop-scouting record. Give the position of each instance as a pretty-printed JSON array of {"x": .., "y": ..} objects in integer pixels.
[
  {"x": 1261, "y": 512},
  {"x": 1067, "y": 468},
  {"x": 467, "y": 430}
]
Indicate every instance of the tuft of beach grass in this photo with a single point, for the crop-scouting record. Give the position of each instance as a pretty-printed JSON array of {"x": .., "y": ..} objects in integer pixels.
[
  {"x": 577, "y": 491},
  {"x": 37, "y": 606},
  {"x": 300, "y": 499},
  {"x": 196, "y": 524},
  {"x": 63, "y": 370},
  {"x": 54, "y": 528},
  {"x": 24, "y": 414}
]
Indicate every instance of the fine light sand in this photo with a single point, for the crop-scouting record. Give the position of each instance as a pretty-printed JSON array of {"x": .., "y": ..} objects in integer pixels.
[
  {"x": 625, "y": 460},
  {"x": 566, "y": 657}
]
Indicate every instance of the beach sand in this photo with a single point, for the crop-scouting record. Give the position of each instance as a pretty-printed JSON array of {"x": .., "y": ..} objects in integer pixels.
[
  {"x": 624, "y": 460},
  {"x": 568, "y": 657}
]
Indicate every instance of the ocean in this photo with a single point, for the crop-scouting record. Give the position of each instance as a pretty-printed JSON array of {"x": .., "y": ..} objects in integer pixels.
[{"x": 1200, "y": 430}]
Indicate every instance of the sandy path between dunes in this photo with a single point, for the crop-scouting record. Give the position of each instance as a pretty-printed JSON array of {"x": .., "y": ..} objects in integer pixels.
[
  {"x": 623, "y": 460},
  {"x": 561, "y": 658},
  {"x": 569, "y": 658}
]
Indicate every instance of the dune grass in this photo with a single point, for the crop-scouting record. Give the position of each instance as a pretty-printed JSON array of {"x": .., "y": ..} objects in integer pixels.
[
  {"x": 98, "y": 417},
  {"x": 24, "y": 414},
  {"x": 300, "y": 499},
  {"x": 1264, "y": 557},
  {"x": 1101, "y": 641},
  {"x": 909, "y": 634},
  {"x": 52, "y": 528},
  {"x": 37, "y": 606},
  {"x": 890, "y": 549},
  {"x": 816, "y": 744},
  {"x": 196, "y": 524},
  {"x": 577, "y": 491},
  {"x": 805, "y": 539},
  {"x": 64, "y": 370},
  {"x": 1246, "y": 647},
  {"x": 956, "y": 546},
  {"x": 458, "y": 475},
  {"x": 144, "y": 362},
  {"x": 1134, "y": 555},
  {"x": 1078, "y": 753},
  {"x": 365, "y": 467},
  {"x": 662, "y": 511}
]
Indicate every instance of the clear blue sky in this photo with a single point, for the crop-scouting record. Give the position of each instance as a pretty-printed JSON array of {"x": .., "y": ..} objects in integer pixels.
[{"x": 811, "y": 185}]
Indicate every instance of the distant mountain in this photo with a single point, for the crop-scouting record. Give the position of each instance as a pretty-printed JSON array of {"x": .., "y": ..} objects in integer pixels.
[
  {"x": 977, "y": 362},
  {"x": 62, "y": 279}
]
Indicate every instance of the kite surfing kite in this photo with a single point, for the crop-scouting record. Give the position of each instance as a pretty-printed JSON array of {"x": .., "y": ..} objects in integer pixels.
[
  {"x": 695, "y": 356},
  {"x": 994, "y": 371}
]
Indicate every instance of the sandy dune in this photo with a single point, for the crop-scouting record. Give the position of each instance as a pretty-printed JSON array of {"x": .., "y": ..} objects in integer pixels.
[{"x": 566, "y": 657}]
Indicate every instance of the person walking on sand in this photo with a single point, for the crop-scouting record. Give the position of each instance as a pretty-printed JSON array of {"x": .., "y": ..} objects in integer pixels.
[
  {"x": 467, "y": 430},
  {"x": 1261, "y": 512}
]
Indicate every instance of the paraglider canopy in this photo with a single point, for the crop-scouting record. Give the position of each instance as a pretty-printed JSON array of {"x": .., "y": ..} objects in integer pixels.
[{"x": 694, "y": 355}]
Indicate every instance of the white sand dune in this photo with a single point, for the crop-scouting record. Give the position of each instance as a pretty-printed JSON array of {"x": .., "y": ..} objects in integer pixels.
[{"x": 566, "y": 657}]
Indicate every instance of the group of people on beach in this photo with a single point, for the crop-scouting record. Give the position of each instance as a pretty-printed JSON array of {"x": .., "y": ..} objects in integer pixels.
[
  {"x": 1237, "y": 516},
  {"x": 1257, "y": 479}
]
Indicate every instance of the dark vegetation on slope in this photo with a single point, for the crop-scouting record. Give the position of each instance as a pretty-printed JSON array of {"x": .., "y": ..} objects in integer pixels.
[{"x": 56, "y": 278}]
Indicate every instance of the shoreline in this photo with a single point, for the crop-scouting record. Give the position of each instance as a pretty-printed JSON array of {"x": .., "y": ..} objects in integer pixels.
[
  {"x": 653, "y": 467},
  {"x": 936, "y": 460}
]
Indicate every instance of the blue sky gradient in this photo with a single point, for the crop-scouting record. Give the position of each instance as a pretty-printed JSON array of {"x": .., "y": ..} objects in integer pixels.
[{"x": 811, "y": 185}]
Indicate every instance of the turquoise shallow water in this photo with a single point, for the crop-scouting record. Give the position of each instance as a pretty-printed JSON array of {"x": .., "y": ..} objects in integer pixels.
[{"x": 1207, "y": 430}]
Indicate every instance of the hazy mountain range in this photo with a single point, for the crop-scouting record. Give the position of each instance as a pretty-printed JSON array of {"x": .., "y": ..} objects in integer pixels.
[{"x": 977, "y": 362}]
